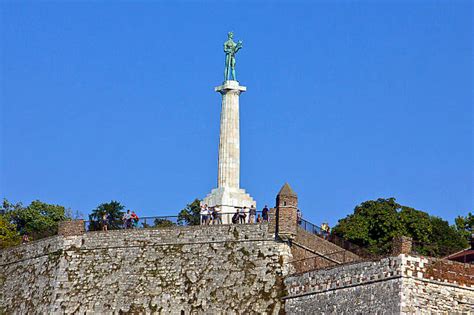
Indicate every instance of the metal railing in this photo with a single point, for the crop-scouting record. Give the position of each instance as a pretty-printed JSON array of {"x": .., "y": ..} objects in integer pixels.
[
  {"x": 309, "y": 227},
  {"x": 174, "y": 220},
  {"x": 143, "y": 222}
]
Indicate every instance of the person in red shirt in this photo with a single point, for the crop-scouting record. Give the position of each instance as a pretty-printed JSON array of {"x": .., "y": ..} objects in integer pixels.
[{"x": 135, "y": 219}]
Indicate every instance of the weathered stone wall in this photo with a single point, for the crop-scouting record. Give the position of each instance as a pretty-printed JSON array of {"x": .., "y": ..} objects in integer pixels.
[
  {"x": 394, "y": 285},
  {"x": 364, "y": 288},
  {"x": 401, "y": 245},
  {"x": 437, "y": 286},
  {"x": 28, "y": 276},
  {"x": 204, "y": 269},
  {"x": 73, "y": 227},
  {"x": 217, "y": 269},
  {"x": 311, "y": 252}
]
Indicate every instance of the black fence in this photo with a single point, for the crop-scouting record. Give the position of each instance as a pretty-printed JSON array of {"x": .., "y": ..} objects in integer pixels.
[
  {"x": 141, "y": 223},
  {"x": 309, "y": 227},
  {"x": 174, "y": 220}
]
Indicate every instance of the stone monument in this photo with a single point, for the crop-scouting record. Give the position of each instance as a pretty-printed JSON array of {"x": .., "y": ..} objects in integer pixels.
[{"x": 228, "y": 196}]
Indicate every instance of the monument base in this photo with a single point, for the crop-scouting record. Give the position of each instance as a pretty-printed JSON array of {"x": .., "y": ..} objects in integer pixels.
[{"x": 229, "y": 200}]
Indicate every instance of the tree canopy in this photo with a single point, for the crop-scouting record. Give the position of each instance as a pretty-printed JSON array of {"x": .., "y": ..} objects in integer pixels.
[
  {"x": 465, "y": 225},
  {"x": 114, "y": 211},
  {"x": 9, "y": 236},
  {"x": 190, "y": 215},
  {"x": 375, "y": 223},
  {"x": 38, "y": 220}
]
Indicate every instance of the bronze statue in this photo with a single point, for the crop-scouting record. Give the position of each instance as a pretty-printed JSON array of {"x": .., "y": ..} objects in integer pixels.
[{"x": 230, "y": 49}]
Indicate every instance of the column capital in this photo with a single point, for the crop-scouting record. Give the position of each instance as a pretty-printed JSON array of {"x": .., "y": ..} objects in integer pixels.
[{"x": 230, "y": 85}]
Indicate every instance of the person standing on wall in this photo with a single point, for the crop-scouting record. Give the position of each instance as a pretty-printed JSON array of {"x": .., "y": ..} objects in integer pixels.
[
  {"x": 127, "y": 220},
  {"x": 252, "y": 214},
  {"x": 209, "y": 215},
  {"x": 265, "y": 214},
  {"x": 299, "y": 216},
  {"x": 105, "y": 222},
  {"x": 242, "y": 215},
  {"x": 134, "y": 219},
  {"x": 217, "y": 216},
  {"x": 203, "y": 214},
  {"x": 236, "y": 216}
]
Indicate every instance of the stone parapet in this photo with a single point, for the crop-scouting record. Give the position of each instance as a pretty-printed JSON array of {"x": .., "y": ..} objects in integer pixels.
[
  {"x": 396, "y": 285},
  {"x": 73, "y": 227},
  {"x": 196, "y": 270},
  {"x": 401, "y": 245}
]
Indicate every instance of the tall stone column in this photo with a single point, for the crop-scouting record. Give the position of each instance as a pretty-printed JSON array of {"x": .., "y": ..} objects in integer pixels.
[
  {"x": 228, "y": 195},
  {"x": 228, "y": 174}
]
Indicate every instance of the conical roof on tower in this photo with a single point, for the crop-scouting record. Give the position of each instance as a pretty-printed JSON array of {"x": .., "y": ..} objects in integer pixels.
[{"x": 286, "y": 191}]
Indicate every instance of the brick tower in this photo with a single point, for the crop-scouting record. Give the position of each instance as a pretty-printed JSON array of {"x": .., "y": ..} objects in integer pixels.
[{"x": 286, "y": 212}]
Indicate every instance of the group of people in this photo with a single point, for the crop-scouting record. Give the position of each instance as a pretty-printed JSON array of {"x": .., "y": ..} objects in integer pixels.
[
  {"x": 210, "y": 215},
  {"x": 213, "y": 215},
  {"x": 130, "y": 220}
]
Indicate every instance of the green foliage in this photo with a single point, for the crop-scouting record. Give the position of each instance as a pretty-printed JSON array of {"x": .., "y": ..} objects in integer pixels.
[
  {"x": 465, "y": 225},
  {"x": 375, "y": 223},
  {"x": 416, "y": 224},
  {"x": 190, "y": 215},
  {"x": 162, "y": 223},
  {"x": 444, "y": 239},
  {"x": 115, "y": 214},
  {"x": 38, "y": 220},
  {"x": 9, "y": 236}
]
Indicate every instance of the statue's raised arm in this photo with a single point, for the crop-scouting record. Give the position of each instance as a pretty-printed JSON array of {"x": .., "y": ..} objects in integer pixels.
[{"x": 230, "y": 49}]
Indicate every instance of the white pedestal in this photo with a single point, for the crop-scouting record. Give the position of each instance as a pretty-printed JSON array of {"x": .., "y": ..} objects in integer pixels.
[{"x": 229, "y": 200}]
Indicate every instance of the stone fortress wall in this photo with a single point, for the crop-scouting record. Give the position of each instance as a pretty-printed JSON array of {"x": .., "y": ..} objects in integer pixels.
[
  {"x": 231, "y": 269},
  {"x": 197, "y": 269},
  {"x": 394, "y": 285}
]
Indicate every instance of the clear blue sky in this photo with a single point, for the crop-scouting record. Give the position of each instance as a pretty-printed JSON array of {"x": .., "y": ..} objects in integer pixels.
[{"x": 347, "y": 101}]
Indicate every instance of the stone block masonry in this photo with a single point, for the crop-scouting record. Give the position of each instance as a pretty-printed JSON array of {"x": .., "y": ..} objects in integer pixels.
[
  {"x": 394, "y": 285},
  {"x": 220, "y": 269},
  {"x": 73, "y": 227},
  {"x": 230, "y": 269},
  {"x": 310, "y": 252}
]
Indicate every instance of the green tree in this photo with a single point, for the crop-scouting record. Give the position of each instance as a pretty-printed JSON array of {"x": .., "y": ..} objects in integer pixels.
[
  {"x": 465, "y": 225},
  {"x": 190, "y": 215},
  {"x": 416, "y": 224},
  {"x": 9, "y": 236},
  {"x": 162, "y": 223},
  {"x": 114, "y": 211},
  {"x": 38, "y": 220},
  {"x": 444, "y": 239},
  {"x": 375, "y": 223}
]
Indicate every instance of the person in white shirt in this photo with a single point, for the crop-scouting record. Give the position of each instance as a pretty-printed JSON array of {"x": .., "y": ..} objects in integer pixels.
[
  {"x": 217, "y": 216},
  {"x": 203, "y": 214},
  {"x": 209, "y": 215}
]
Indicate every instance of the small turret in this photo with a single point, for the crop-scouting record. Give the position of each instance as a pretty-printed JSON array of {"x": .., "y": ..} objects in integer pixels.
[{"x": 286, "y": 209}]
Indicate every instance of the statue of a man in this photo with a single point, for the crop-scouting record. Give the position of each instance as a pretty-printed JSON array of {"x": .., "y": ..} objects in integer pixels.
[{"x": 230, "y": 49}]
